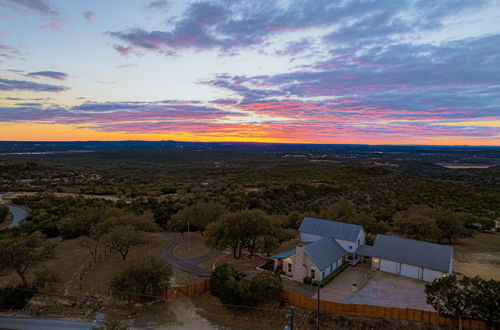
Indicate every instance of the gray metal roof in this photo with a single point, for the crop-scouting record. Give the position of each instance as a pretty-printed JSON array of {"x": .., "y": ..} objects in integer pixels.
[
  {"x": 330, "y": 228},
  {"x": 417, "y": 253},
  {"x": 324, "y": 252},
  {"x": 365, "y": 250}
]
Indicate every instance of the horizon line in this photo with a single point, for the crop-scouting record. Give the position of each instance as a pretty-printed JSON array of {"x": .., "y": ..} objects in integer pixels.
[{"x": 254, "y": 142}]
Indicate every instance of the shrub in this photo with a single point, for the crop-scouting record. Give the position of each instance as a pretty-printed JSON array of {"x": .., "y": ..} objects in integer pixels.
[
  {"x": 145, "y": 276},
  {"x": 307, "y": 280},
  {"x": 15, "y": 297},
  {"x": 231, "y": 286}
]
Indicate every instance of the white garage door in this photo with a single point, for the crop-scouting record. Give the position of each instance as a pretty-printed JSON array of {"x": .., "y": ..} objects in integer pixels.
[
  {"x": 388, "y": 266},
  {"x": 409, "y": 270},
  {"x": 430, "y": 275}
]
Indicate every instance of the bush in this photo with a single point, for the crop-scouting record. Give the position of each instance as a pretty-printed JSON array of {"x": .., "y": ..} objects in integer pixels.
[
  {"x": 145, "y": 276},
  {"x": 231, "y": 286},
  {"x": 4, "y": 210},
  {"x": 15, "y": 297},
  {"x": 307, "y": 280}
]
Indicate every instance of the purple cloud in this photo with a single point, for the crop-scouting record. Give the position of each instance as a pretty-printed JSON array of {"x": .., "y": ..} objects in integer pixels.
[
  {"x": 157, "y": 4},
  {"x": 49, "y": 74},
  {"x": 39, "y": 6},
  {"x": 22, "y": 85},
  {"x": 89, "y": 15},
  {"x": 234, "y": 25}
]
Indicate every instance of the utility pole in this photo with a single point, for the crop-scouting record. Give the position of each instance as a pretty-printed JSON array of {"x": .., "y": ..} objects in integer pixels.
[
  {"x": 189, "y": 240},
  {"x": 317, "y": 312}
]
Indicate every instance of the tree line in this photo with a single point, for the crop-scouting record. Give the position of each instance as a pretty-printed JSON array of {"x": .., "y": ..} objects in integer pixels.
[{"x": 465, "y": 298}]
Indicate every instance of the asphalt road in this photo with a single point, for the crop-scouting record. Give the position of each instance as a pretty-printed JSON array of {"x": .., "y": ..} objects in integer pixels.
[
  {"x": 187, "y": 265},
  {"x": 19, "y": 215},
  {"x": 42, "y": 324}
]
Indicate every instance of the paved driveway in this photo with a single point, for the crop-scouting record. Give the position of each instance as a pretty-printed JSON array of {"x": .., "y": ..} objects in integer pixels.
[
  {"x": 43, "y": 324},
  {"x": 391, "y": 290},
  {"x": 378, "y": 288},
  {"x": 189, "y": 265},
  {"x": 341, "y": 287},
  {"x": 18, "y": 214}
]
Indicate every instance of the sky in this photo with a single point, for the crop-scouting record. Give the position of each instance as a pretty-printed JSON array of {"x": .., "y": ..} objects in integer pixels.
[{"x": 308, "y": 71}]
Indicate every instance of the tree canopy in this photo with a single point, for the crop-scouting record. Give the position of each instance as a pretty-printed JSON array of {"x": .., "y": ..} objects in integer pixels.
[
  {"x": 142, "y": 276},
  {"x": 24, "y": 252}
]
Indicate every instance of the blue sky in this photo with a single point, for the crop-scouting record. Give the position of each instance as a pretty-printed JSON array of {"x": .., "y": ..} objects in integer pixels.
[{"x": 401, "y": 72}]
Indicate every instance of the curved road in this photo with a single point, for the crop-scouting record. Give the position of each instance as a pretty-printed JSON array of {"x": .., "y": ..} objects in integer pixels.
[
  {"x": 19, "y": 215},
  {"x": 43, "y": 324},
  {"x": 187, "y": 265}
]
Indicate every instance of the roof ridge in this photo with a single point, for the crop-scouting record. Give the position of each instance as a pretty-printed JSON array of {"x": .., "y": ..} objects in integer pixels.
[
  {"x": 414, "y": 240},
  {"x": 337, "y": 221}
]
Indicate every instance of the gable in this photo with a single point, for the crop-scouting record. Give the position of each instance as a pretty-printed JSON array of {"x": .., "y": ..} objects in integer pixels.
[{"x": 324, "y": 252}]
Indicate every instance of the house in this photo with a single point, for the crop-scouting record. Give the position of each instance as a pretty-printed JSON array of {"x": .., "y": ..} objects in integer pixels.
[
  {"x": 407, "y": 257},
  {"x": 325, "y": 245}
]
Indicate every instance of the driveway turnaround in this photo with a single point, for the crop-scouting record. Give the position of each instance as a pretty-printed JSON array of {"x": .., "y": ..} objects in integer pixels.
[
  {"x": 391, "y": 290},
  {"x": 43, "y": 324},
  {"x": 19, "y": 215},
  {"x": 188, "y": 265}
]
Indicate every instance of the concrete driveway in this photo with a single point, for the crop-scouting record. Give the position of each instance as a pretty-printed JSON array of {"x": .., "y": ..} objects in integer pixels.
[
  {"x": 341, "y": 287},
  {"x": 391, "y": 290},
  {"x": 376, "y": 288}
]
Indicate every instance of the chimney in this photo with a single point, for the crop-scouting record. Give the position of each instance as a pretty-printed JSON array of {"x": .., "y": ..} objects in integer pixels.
[{"x": 299, "y": 268}]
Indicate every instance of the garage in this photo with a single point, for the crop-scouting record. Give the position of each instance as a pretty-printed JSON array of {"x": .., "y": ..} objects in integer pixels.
[
  {"x": 388, "y": 266},
  {"x": 411, "y": 258},
  {"x": 409, "y": 270},
  {"x": 430, "y": 275}
]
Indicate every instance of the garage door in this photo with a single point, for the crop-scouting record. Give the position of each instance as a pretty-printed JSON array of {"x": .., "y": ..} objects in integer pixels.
[
  {"x": 409, "y": 270},
  {"x": 430, "y": 275},
  {"x": 388, "y": 266}
]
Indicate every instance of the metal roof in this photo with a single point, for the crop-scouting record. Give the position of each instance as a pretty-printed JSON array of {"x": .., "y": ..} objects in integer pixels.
[
  {"x": 330, "y": 228},
  {"x": 324, "y": 252},
  {"x": 284, "y": 254},
  {"x": 365, "y": 250},
  {"x": 417, "y": 253}
]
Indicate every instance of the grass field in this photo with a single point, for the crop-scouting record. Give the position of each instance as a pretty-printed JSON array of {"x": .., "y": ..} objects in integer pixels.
[{"x": 478, "y": 255}]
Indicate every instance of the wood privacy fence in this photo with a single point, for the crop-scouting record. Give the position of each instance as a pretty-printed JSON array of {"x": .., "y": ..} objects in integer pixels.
[
  {"x": 188, "y": 290},
  {"x": 375, "y": 311}
]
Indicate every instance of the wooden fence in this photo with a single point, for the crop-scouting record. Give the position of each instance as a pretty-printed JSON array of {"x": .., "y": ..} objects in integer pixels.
[
  {"x": 375, "y": 311},
  {"x": 188, "y": 290}
]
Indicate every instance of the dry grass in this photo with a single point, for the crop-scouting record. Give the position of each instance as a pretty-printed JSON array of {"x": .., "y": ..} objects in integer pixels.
[
  {"x": 102, "y": 273},
  {"x": 478, "y": 255}
]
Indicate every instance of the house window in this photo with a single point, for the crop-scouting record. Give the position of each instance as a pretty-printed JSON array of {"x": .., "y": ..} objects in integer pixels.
[
  {"x": 313, "y": 273},
  {"x": 289, "y": 267}
]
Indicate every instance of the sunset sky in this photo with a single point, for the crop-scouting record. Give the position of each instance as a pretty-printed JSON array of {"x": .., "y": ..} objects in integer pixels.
[{"x": 310, "y": 71}]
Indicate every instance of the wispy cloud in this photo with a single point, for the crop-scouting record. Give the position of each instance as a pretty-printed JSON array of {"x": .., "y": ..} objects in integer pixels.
[
  {"x": 23, "y": 85},
  {"x": 49, "y": 74},
  {"x": 39, "y": 6}
]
